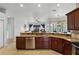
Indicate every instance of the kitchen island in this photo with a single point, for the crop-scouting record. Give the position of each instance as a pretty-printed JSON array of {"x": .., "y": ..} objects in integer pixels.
[{"x": 58, "y": 42}]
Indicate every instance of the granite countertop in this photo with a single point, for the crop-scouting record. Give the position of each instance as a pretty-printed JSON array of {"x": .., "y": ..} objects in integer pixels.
[
  {"x": 62, "y": 36},
  {"x": 69, "y": 38}
]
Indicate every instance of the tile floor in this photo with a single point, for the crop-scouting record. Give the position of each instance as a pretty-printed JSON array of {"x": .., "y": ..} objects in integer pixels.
[{"x": 11, "y": 50}]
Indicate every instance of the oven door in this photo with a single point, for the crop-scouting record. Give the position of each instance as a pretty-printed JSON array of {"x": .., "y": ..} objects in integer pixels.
[{"x": 75, "y": 47}]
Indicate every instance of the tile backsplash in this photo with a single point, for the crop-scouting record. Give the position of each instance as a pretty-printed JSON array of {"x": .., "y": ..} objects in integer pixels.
[{"x": 75, "y": 34}]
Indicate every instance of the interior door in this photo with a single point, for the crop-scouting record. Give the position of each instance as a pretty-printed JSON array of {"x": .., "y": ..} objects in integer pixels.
[{"x": 1, "y": 34}]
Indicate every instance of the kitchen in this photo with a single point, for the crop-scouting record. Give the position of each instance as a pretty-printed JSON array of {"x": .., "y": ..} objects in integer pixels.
[{"x": 41, "y": 26}]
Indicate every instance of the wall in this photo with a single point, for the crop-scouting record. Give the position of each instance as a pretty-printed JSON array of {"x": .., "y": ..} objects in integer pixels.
[
  {"x": 10, "y": 29},
  {"x": 4, "y": 18},
  {"x": 18, "y": 24}
]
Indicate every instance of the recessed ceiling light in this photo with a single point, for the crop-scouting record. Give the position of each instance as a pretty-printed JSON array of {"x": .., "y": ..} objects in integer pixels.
[
  {"x": 21, "y": 5},
  {"x": 39, "y": 5},
  {"x": 58, "y": 5}
]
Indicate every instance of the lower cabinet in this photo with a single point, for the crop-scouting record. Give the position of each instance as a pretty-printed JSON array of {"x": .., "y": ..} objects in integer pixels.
[
  {"x": 56, "y": 44},
  {"x": 61, "y": 45},
  {"x": 42, "y": 43},
  {"x": 20, "y": 43},
  {"x": 67, "y": 47},
  {"x": 39, "y": 42},
  {"x": 25, "y": 43}
]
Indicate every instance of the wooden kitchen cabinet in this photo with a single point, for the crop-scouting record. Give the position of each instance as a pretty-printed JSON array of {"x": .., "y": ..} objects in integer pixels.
[
  {"x": 61, "y": 45},
  {"x": 73, "y": 19},
  {"x": 77, "y": 20},
  {"x": 42, "y": 43},
  {"x": 67, "y": 47},
  {"x": 49, "y": 46},
  {"x": 70, "y": 21},
  {"x": 24, "y": 43},
  {"x": 56, "y": 44},
  {"x": 39, "y": 42},
  {"x": 20, "y": 43}
]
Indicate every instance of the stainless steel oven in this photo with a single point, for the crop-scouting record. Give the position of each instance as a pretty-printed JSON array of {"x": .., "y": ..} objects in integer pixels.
[{"x": 75, "y": 48}]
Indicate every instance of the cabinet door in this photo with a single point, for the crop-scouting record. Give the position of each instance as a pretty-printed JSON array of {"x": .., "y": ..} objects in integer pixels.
[
  {"x": 77, "y": 20},
  {"x": 39, "y": 42},
  {"x": 67, "y": 48},
  {"x": 70, "y": 21},
  {"x": 20, "y": 43},
  {"x": 54, "y": 44},
  {"x": 47, "y": 43},
  {"x": 57, "y": 44},
  {"x": 60, "y": 45},
  {"x": 42, "y": 43}
]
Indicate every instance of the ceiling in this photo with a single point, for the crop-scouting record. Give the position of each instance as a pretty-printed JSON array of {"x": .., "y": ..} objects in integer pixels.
[{"x": 31, "y": 10}]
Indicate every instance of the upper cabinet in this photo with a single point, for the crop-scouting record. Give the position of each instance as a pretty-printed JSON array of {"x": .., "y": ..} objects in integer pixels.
[
  {"x": 77, "y": 19},
  {"x": 70, "y": 21},
  {"x": 73, "y": 19}
]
